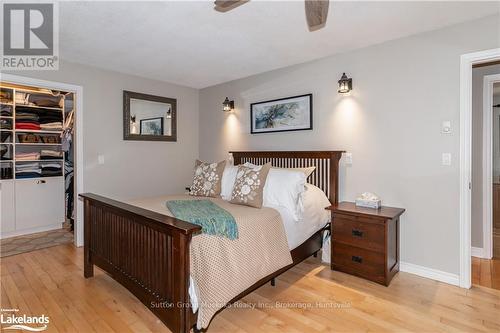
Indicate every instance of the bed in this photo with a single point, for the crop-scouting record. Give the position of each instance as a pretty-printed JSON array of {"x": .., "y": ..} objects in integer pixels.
[{"x": 149, "y": 252}]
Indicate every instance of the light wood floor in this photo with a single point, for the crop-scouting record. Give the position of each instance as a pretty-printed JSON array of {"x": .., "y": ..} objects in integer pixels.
[
  {"x": 50, "y": 282},
  {"x": 486, "y": 272}
]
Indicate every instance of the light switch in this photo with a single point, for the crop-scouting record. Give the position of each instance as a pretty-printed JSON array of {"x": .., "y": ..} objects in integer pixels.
[
  {"x": 446, "y": 159},
  {"x": 100, "y": 159},
  {"x": 446, "y": 127},
  {"x": 348, "y": 158}
]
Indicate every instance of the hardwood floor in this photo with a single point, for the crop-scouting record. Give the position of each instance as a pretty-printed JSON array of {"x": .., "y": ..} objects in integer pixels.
[
  {"x": 486, "y": 272},
  {"x": 50, "y": 281}
]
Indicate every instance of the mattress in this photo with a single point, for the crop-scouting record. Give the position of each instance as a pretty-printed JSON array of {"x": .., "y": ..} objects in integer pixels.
[{"x": 313, "y": 218}]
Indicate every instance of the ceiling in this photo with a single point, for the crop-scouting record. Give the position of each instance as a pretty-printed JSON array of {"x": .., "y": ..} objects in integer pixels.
[{"x": 191, "y": 44}]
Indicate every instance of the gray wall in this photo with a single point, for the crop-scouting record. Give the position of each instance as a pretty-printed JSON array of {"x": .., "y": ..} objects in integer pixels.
[
  {"x": 477, "y": 152},
  {"x": 391, "y": 122},
  {"x": 132, "y": 168}
]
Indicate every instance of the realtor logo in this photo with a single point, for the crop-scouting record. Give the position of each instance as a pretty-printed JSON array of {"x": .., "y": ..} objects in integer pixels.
[{"x": 30, "y": 36}]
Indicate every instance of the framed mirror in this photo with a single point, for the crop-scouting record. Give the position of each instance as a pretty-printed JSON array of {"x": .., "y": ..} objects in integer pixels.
[{"x": 149, "y": 117}]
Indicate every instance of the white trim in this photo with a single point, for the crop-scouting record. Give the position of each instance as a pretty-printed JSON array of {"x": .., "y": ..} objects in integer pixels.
[
  {"x": 30, "y": 231},
  {"x": 477, "y": 252},
  {"x": 16, "y": 79},
  {"x": 466, "y": 62},
  {"x": 429, "y": 273},
  {"x": 488, "y": 82}
]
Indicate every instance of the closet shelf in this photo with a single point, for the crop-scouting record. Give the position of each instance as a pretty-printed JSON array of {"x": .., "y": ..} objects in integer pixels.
[
  {"x": 37, "y": 144},
  {"x": 37, "y": 131},
  {"x": 42, "y": 161}
]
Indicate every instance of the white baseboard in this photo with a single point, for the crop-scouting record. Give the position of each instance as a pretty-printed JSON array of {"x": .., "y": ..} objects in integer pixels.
[
  {"x": 429, "y": 273},
  {"x": 477, "y": 252},
  {"x": 30, "y": 231}
]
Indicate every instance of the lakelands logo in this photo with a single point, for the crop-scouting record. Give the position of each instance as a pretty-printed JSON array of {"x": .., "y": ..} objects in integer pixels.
[
  {"x": 30, "y": 36},
  {"x": 22, "y": 322}
]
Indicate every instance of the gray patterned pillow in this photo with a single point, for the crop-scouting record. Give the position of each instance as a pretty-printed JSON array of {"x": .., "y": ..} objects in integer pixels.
[
  {"x": 207, "y": 179},
  {"x": 249, "y": 185}
]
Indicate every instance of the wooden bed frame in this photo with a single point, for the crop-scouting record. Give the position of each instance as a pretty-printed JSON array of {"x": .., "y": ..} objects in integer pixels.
[{"x": 148, "y": 253}]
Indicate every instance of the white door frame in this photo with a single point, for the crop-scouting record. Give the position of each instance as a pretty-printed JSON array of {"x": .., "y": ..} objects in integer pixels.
[
  {"x": 488, "y": 82},
  {"x": 466, "y": 62},
  {"x": 78, "y": 90}
]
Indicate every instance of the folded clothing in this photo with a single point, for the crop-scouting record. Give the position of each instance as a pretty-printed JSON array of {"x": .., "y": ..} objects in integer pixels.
[
  {"x": 28, "y": 126},
  {"x": 51, "y": 169},
  {"x": 6, "y": 110},
  {"x": 51, "y": 166},
  {"x": 46, "y": 154},
  {"x": 52, "y": 126},
  {"x": 27, "y": 156},
  {"x": 28, "y": 170},
  {"x": 44, "y": 100},
  {"x": 28, "y": 174}
]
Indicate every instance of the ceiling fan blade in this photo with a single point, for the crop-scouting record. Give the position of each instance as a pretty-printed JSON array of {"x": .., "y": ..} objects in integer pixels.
[
  {"x": 225, "y": 5},
  {"x": 316, "y": 13}
]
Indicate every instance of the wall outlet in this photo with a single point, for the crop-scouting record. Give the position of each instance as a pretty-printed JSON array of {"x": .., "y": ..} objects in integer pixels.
[
  {"x": 446, "y": 127},
  {"x": 100, "y": 159}
]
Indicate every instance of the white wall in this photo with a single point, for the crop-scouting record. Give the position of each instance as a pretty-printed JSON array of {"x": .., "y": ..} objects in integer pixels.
[
  {"x": 132, "y": 168},
  {"x": 403, "y": 90},
  {"x": 478, "y": 75}
]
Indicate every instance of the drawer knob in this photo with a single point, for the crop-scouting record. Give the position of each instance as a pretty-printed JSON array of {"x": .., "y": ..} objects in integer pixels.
[
  {"x": 357, "y": 259},
  {"x": 357, "y": 233},
  {"x": 41, "y": 181}
]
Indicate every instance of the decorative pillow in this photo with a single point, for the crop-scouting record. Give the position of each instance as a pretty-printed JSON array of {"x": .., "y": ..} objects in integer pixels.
[
  {"x": 207, "y": 179},
  {"x": 249, "y": 185}
]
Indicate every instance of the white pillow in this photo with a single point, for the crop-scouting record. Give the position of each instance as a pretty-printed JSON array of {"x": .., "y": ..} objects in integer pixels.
[
  {"x": 227, "y": 182},
  {"x": 284, "y": 188},
  {"x": 315, "y": 202}
]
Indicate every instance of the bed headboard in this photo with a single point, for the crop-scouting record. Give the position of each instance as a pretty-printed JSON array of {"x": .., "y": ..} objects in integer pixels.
[{"x": 326, "y": 175}]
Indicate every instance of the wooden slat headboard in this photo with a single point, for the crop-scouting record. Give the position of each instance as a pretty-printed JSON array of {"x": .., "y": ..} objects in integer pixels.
[{"x": 326, "y": 175}]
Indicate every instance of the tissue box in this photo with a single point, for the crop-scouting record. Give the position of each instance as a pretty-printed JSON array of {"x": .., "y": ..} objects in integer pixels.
[{"x": 375, "y": 204}]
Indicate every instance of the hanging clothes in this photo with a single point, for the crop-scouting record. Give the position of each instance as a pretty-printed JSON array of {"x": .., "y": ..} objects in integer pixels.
[{"x": 67, "y": 134}]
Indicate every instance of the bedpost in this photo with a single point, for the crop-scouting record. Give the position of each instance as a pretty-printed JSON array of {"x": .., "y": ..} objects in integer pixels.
[
  {"x": 334, "y": 176},
  {"x": 88, "y": 265}
]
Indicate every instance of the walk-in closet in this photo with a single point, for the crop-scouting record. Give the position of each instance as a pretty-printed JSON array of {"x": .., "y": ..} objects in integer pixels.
[{"x": 37, "y": 166}]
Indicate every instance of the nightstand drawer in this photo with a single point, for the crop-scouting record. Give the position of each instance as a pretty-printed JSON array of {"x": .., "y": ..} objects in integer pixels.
[
  {"x": 358, "y": 261},
  {"x": 367, "y": 235}
]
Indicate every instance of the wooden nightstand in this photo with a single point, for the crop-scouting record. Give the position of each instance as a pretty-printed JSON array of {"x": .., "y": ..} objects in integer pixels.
[{"x": 365, "y": 242}]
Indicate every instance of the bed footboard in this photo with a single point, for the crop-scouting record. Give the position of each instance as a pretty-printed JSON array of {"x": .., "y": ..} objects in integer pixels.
[{"x": 146, "y": 252}]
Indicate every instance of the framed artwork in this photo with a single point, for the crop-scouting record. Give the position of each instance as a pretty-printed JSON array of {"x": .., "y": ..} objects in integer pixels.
[
  {"x": 152, "y": 126},
  {"x": 282, "y": 115}
]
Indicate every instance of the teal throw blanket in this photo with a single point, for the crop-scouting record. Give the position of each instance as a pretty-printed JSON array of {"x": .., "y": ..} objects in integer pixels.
[{"x": 213, "y": 219}]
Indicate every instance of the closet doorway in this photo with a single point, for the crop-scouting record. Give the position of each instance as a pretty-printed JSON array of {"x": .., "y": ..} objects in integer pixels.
[
  {"x": 41, "y": 147},
  {"x": 485, "y": 225}
]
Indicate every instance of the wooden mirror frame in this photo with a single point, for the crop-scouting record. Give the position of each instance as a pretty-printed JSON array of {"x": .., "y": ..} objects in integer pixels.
[{"x": 127, "y": 95}]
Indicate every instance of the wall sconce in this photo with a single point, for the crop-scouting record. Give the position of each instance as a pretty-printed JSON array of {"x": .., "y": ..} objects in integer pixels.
[
  {"x": 345, "y": 84},
  {"x": 227, "y": 105}
]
